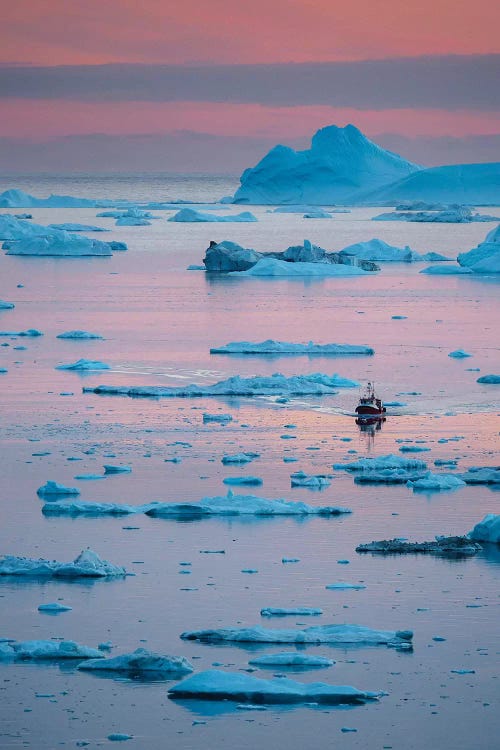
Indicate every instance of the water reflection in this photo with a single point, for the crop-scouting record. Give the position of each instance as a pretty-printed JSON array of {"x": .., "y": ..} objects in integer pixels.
[{"x": 368, "y": 427}]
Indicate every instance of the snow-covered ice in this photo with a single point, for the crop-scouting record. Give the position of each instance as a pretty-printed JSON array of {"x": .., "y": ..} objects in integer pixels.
[
  {"x": 447, "y": 270},
  {"x": 242, "y": 481},
  {"x": 239, "y": 458},
  {"x": 69, "y": 227},
  {"x": 481, "y": 475}
]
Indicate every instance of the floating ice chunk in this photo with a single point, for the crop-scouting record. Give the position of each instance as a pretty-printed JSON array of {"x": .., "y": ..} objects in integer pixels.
[
  {"x": 445, "y": 270},
  {"x": 215, "y": 685},
  {"x": 69, "y": 227},
  {"x": 239, "y": 458},
  {"x": 19, "y": 199},
  {"x": 6, "y": 305},
  {"x": 291, "y": 659},
  {"x": 282, "y": 347},
  {"x": 485, "y": 258},
  {"x": 436, "y": 482},
  {"x": 247, "y": 480},
  {"x": 345, "y": 586},
  {"x": 317, "y": 481},
  {"x": 116, "y": 246},
  {"x": 132, "y": 221},
  {"x": 222, "y": 418},
  {"x": 229, "y": 256},
  {"x": 459, "y": 354},
  {"x": 53, "y": 650},
  {"x": 337, "y": 635},
  {"x": 277, "y": 267},
  {"x": 394, "y": 403},
  {"x": 78, "y": 335},
  {"x": 84, "y": 364},
  {"x": 236, "y": 505},
  {"x": 54, "y": 489},
  {"x": 191, "y": 215},
  {"x": 389, "y": 461},
  {"x": 388, "y": 476},
  {"x": 318, "y": 213},
  {"x": 119, "y": 737},
  {"x": 62, "y": 244},
  {"x": 88, "y": 564},
  {"x": 117, "y": 469},
  {"x": 487, "y": 530},
  {"x": 140, "y": 662},
  {"x": 481, "y": 475},
  {"x": 435, "y": 257},
  {"x": 451, "y": 215},
  {"x": 441, "y": 545},
  {"x": 29, "y": 333},
  {"x": 12, "y": 228},
  {"x": 295, "y": 611},
  {"x": 93, "y": 509},
  {"x": 489, "y": 379},
  {"x": 413, "y": 449},
  {"x": 378, "y": 250},
  {"x": 54, "y": 608}
]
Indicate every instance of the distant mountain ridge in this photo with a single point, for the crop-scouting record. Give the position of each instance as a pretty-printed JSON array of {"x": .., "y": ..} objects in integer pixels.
[{"x": 344, "y": 166}]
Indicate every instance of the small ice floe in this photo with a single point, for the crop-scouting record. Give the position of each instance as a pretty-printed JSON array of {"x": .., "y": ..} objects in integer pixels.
[
  {"x": 436, "y": 483},
  {"x": 54, "y": 608},
  {"x": 314, "y": 481},
  {"x": 487, "y": 530},
  {"x": 291, "y": 659},
  {"x": 315, "y": 384},
  {"x": 235, "y": 505},
  {"x": 332, "y": 634},
  {"x": 413, "y": 449},
  {"x": 388, "y": 476},
  {"x": 399, "y": 317},
  {"x": 88, "y": 564},
  {"x": 3, "y": 370},
  {"x": 345, "y": 586},
  {"x": 47, "y": 650},
  {"x": 459, "y": 354},
  {"x": 489, "y": 379},
  {"x": 89, "y": 477},
  {"x": 450, "y": 269},
  {"x": 283, "y": 347},
  {"x": 239, "y": 458},
  {"x": 116, "y": 469},
  {"x": 6, "y": 305},
  {"x": 446, "y": 461},
  {"x": 191, "y": 215},
  {"x": 133, "y": 217},
  {"x": 317, "y": 213},
  {"x": 141, "y": 662},
  {"x": 390, "y": 461},
  {"x": 395, "y": 403},
  {"x": 79, "y": 335},
  {"x": 450, "y": 546},
  {"x": 84, "y": 364},
  {"x": 293, "y": 611},
  {"x": 29, "y": 333},
  {"x": 247, "y": 480},
  {"x": 54, "y": 489},
  {"x": 463, "y": 671},
  {"x": 380, "y": 251},
  {"x": 221, "y": 418},
  {"x": 119, "y": 737},
  {"x": 216, "y": 685},
  {"x": 69, "y": 227},
  {"x": 481, "y": 475}
]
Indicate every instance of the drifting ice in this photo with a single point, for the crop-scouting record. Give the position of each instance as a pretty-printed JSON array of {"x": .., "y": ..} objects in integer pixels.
[
  {"x": 191, "y": 215},
  {"x": 282, "y": 347},
  {"x": 141, "y": 661},
  {"x": 487, "y": 530},
  {"x": 47, "y": 650},
  {"x": 291, "y": 659},
  {"x": 88, "y": 564}
]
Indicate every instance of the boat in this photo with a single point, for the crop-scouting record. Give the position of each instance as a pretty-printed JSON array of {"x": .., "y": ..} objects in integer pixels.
[{"x": 369, "y": 405}]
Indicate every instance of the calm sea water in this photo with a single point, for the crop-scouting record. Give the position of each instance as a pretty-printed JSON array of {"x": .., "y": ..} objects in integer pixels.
[{"x": 159, "y": 321}]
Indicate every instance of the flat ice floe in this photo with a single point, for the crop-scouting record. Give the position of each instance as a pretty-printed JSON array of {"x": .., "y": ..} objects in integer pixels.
[
  {"x": 54, "y": 489},
  {"x": 79, "y": 335},
  {"x": 191, "y": 215},
  {"x": 378, "y": 250},
  {"x": 62, "y": 244},
  {"x": 292, "y": 611},
  {"x": 450, "y": 215},
  {"x": 242, "y": 481},
  {"x": 291, "y": 659},
  {"x": 388, "y": 476},
  {"x": 78, "y": 508},
  {"x": 436, "y": 482},
  {"x": 84, "y": 364},
  {"x": 217, "y": 418},
  {"x": 345, "y": 586},
  {"x": 316, "y": 481},
  {"x": 69, "y": 227},
  {"x": 46, "y": 650},
  {"x": 487, "y": 530},
  {"x": 29, "y": 333},
  {"x": 54, "y": 608},
  {"x": 445, "y": 546},
  {"x": 275, "y": 267},
  {"x": 379, "y": 463},
  {"x": 141, "y": 662},
  {"x": 481, "y": 475},
  {"x": 283, "y": 347},
  {"x": 88, "y": 564},
  {"x": 247, "y": 505},
  {"x": 315, "y": 384},
  {"x": 215, "y": 685},
  {"x": 337, "y": 635}
]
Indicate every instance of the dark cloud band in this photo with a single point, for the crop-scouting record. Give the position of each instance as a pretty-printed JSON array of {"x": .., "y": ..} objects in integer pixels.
[{"x": 446, "y": 82}]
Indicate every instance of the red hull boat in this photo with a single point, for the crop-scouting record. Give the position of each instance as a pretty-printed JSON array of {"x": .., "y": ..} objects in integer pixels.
[{"x": 369, "y": 405}]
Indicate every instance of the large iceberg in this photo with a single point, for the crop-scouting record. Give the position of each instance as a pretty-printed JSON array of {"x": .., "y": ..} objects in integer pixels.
[
  {"x": 141, "y": 662},
  {"x": 47, "y": 651},
  {"x": 340, "y": 164},
  {"x": 191, "y": 215},
  {"x": 88, "y": 564},
  {"x": 315, "y": 384},
  {"x": 241, "y": 505},
  {"x": 466, "y": 184},
  {"x": 335, "y": 635},
  {"x": 245, "y": 688},
  {"x": 487, "y": 530},
  {"x": 282, "y": 347},
  {"x": 378, "y": 250},
  {"x": 485, "y": 258}
]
